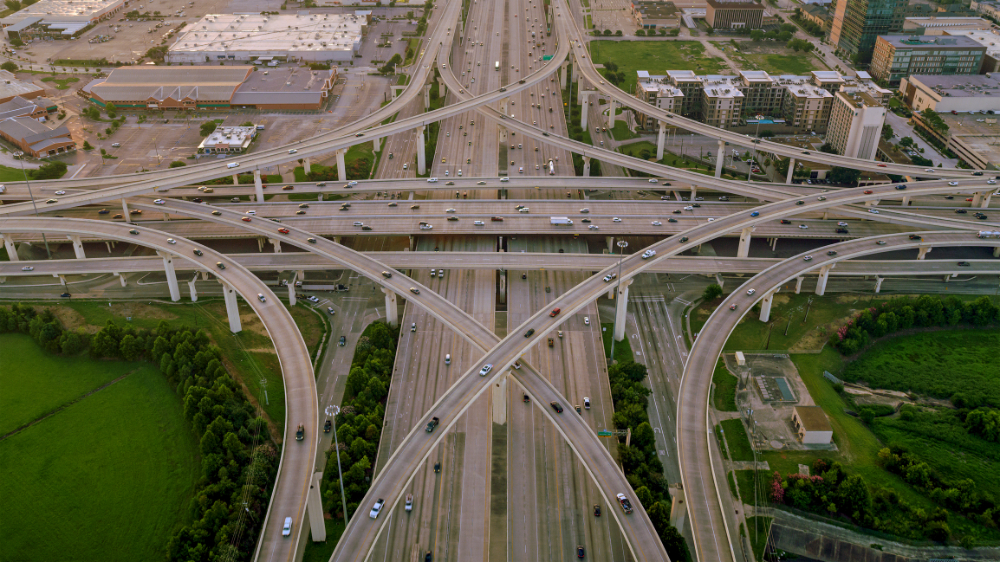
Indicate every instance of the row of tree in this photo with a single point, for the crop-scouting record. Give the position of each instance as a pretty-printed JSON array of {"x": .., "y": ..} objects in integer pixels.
[
  {"x": 359, "y": 423},
  {"x": 238, "y": 460},
  {"x": 642, "y": 467},
  {"x": 902, "y": 313}
]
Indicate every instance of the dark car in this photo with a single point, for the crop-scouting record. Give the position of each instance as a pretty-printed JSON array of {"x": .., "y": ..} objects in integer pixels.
[
  {"x": 961, "y": 211},
  {"x": 841, "y": 231},
  {"x": 597, "y": 510},
  {"x": 65, "y": 295},
  {"x": 556, "y": 407},
  {"x": 964, "y": 264},
  {"x": 198, "y": 252},
  {"x": 300, "y": 433},
  {"x": 220, "y": 265},
  {"x": 343, "y": 341},
  {"x": 786, "y": 221},
  {"x": 327, "y": 426},
  {"x": 103, "y": 212},
  {"x": 526, "y": 399},
  {"x": 579, "y": 551},
  {"x": 529, "y": 333},
  {"x": 915, "y": 237}
]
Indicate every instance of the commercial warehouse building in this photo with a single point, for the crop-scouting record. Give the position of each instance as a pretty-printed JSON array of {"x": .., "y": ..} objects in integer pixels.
[
  {"x": 898, "y": 56},
  {"x": 944, "y": 94},
  {"x": 220, "y": 88},
  {"x": 36, "y": 139},
  {"x": 57, "y": 18},
  {"x": 11, "y": 87},
  {"x": 247, "y": 37}
]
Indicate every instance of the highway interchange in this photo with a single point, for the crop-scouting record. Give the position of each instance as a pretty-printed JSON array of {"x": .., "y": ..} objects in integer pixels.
[{"x": 556, "y": 468}]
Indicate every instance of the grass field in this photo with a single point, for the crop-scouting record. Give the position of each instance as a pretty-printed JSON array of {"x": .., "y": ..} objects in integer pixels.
[
  {"x": 61, "y": 83},
  {"x": 797, "y": 64},
  {"x": 621, "y": 131},
  {"x": 724, "y": 399},
  {"x": 11, "y": 174},
  {"x": 358, "y": 151},
  {"x": 623, "y": 351},
  {"x": 937, "y": 364},
  {"x": 107, "y": 478},
  {"x": 321, "y": 552},
  {"x": 736, "y": 438},
  {"x": 655, "y": 56}
]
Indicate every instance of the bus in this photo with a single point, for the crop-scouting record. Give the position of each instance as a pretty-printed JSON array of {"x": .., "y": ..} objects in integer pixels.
[
  {"x": 496, "y": 66},
  {"x": 552, "y": 168}
]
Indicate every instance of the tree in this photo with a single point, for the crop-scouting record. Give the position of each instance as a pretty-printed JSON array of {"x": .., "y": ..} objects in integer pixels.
[
  {"x": 906, "y": 142},
  {"x": 845, "y": 176},
  {"x": 640, "y": 33},
  {"x": 87, "y": 145},
  {"x": 208, "y": 127},
  {"x": 712, "y": 292},
  {"x": 9, "y": 66},
  {"x": 757, "y": 35},
  {"x": 177, "y": 164},
  {"x": 618, "y": 33},
  {"x": 828, "y": 148},
  {"x": 607, "y": 33},
  {"x": 887, "y": 131}
]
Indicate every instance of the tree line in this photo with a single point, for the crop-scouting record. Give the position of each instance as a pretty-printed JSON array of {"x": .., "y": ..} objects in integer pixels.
[
  {"x": 359, "y": 423},
  {"x": 639, "y": 460},
  {"x": 238, "y": 460}
]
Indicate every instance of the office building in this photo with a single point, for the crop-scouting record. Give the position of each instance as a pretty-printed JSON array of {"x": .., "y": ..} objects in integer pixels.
[
  {"x": 987, "y": 38},
  {"x": 945, "y": 94},
  {"x": 934, "y": 25},
  {"x": 734, "y": 14},
  {"x": 249, "y": 37},
  {"x": 898, "y": 56},
  {"x": 856, "y": 24},
  {"x": 855, "y": 124},
  {"x": 656, "y": 15}
]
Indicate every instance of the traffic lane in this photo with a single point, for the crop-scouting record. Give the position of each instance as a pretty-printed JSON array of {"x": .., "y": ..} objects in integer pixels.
[{"x": 295, "y": 467}]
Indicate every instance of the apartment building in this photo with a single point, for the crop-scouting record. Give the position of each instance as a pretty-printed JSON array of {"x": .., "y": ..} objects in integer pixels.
[
  {"x": 721, "y": 102},
  {"x": 899, "y": 56},
  {"x": 855, "y": 124}
]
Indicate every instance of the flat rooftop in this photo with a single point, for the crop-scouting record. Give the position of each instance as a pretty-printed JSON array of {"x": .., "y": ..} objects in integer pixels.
[
  {"x": 989, "y": 39},
  {"x": 959, "y": 86},
  {"x": 656, "y": 10},
  {"x": 859, "y": 99},
  {"x": 11, "y": 86},
  {"x": 63, "y": 10},
  {"x": 930, "y": 42},
  {"x": 245, "y": 32}
]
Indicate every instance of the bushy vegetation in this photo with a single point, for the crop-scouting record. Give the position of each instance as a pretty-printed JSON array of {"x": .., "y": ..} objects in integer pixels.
[
  {"x": 48, "y": 171},
  {"x": 359, "y": 423},
  {"x": 238, "y": 460},
  {"x": 643, "y": 469}
]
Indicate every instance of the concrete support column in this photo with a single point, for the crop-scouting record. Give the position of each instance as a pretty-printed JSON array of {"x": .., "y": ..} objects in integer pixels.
[
  {"x": 8, "y": 243},
  {"x": 923, "y": 251},
  {"x": 307, "y": 165},
  {"x": 610, "y": 241},
  {"x": 719, "y": 280},
  {"x": 976, "y": 198},
  {"x": 798, "y": 284},
  {"x": 562, "y": 75},
  {"x": 192, "y": 289},
  {"x": 765, "y": 306},
  {"x": 107, "y": 244},
  {"x": 77, "y": 247},
  {"x": 232, "y": 307},
  {"x": 878, "y": 284},
  {"x": 678, "y": 196},
  {"x": 745, "y": 237},
  {"x": 314, "y": 505},
  {"x": 996, "y": 252},
  {"x": 621, "y": 307},
  {"x": 168, "y": 268},
  {"x": 391, "y": 312},
  {"x": 427, "y": 97},
  {"x": 128, "y": 217},
  {"x": 585, "y": 98},
  {"x": 774, "y": 244},
  {"x": 442, "y": 89},
  {"x": 611, "y": 114},
  {"x": 586, "y": 166},
  {"x": 661, "y": 137},
  {"x": 500, "y": 400},
  {"x": 720, "y": 159},
  {"x": 376, "y": 144},
  {"x": 291, "y": 290},
  {"x": 694, "y": 192},
  {"x": 413, "y": 243},
  {"x": 824, "y": 276},
  {"x": 421, "y": 157},
  {"x": 341, "y": 165},
  {"x": 122, "y": 279},
  {"x": 791, "y": 171},
  {"x": 62, "y": 279},
  {"x": 948, "y": 276},
  {"x": 258, "y": 186},
  {"x": 986, "y": 200}
]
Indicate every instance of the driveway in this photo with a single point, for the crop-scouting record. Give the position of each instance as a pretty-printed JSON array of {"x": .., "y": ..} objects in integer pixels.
[{"x": 901, "y": 129}]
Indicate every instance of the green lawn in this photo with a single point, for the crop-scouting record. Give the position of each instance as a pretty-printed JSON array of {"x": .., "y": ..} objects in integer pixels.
[
  {"x": 11, "y": 174},
  {"x": 736, "y": 438},
  {"x": 654, "y": 56},
  {"x": 745, "y": 482},
  {"x": 917, "y": 363},
  {"x": 621, "y": 131},
  {"x": 107, "y": 478},
  {"x": 797, "y": 64},
  {"x": 724, "y": 399},
  {"x": 758, "y": 527},
  {"x": 321, "y": 552},
  {"x": 61, "y": 83},
  {"x": 623, "y": 351},
  {"x": 354, "y": 153}
]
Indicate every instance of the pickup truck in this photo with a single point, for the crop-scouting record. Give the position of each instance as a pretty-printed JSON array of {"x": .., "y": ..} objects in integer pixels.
[
  {"x": 626, "y": 505},
  {"x": 431, "y": 425}
]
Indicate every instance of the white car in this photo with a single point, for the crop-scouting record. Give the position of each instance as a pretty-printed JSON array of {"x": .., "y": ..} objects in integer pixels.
[
  {"x": 504, "y": 179},
  {"x": 61, "y": 192},
  {"x": 449, "y": 210},
  {"x": 252, "y": 213},
  {"x": 287, "y": 528},
  {"x": 648, "y": 254},
  {"x": 689, "y": 208},
  {"x": 610, "y": 277},
  {"x": 803, "y": 226},
  {"x": 751, "y": 291},
  {"x": 593, "y": 227},
  {"x": 951, "y": 183},
  {"x": 292, "y": 151},
  {"x": 841, "y": 223},
  {"x": 352, "y": 183},
  {"x": 652, "y": 180},
  {"x": 711, "y": 219},
  {"x": 486, "y": 369},
  {"x": 27, "y": 268},
  {"x": 478, "y": 223},
  {"x": 807, "y": 258},
  {"x": 159, "y": 202},
  {"x": 873, "y": 211},
  {"x": 171, "y": 241},
  {"x": 432, "y": 180},
  {"x": 586, "y": 320},
  {"x": 426, "y": 227},
  {"x": 377, "y": 508},
  {"x": 616, "y": 219},
  {"x": 656, "y": 223},
  {"x": 313, "y": 299}
]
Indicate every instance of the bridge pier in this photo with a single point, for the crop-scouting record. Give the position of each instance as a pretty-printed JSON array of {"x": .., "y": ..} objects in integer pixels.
[
  {"x": 694, "y": 192},
  {"x": 996, "y": 252},
  {"x": 719, "y": 280},
  {"x": 413, "y": 243},
  {"x": 77, "y": 247},
  {"x": 621, "y": 307},
  {"x": 341, "y": 165},
  {"x": 427, "y": 97},
  {"x": 391, "y": 311},
  {"x": 798, "y": 284},
  {"x": 720, "y": 159},
  {"x": 276, "y": 243},
  {"x": 986, "y": 200},
  {"x": 500, "y": 400},
  {"x": 307, "y": 165},
  {"x": 678, "y": 196},
  {"x": 562, "y": 75},
  {"x": 62, "y": 279},
  {"x": 923, "y": 251},
  {"x": 314, "y": 505},
  {"x": 791, "y": 171},
  {"x": 586, "y": 166},
  {"x": 611, "y": 114},
  {"x": 128, "y": 218},
  {"x": 610, "y": 241},
  {"x": 744, "y": 248},
  {"x": 906, "y": 201},
  {"x": 258, "y": 186},
  {"x": 661, "y": 137},
  {"x": 192, "y": 289},
  {"x": 421, "y": 156},
  {"x": 765, "y": 305},
  {"x": 442, "y": 89},
  {"x": 8, "y": 243},
  {"x": 976, "y": 198},
  {"x": 824, "y": 276},
  {"x": 585, "y": 101},
  {"x": 232, "y": 307},
  {"x": 168, "y": 268},
  {"x": 291, "y": 290},
  {"x": 236, "y": 179},
  {"x": 774, "y": 244},
  {"x": 878, "y": 284}
]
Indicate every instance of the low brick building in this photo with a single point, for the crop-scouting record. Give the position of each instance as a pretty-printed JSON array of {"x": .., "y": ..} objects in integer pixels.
[{"x": 36, "y": 139}]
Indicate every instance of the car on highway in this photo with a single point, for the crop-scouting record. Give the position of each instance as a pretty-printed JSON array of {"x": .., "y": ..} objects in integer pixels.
[
  {"x": 555, "y": 312},
  {"x": 27, "y": 268},
  {"x": 626, "y": 505},
  {"x": 951, "y": 183},
  {"x": 873, "y": 211},
  {"x": 584, "y": 210},
  {"x": 751, "y": 291},
  {"x": 616, "y": 219},
  {"x": 331, "y": 310},
  {"x": 648, "y": 254},
  {"x": 593, "y": 227},
  {"x": 287, "y": 528},
  {"x": 964, "y": 264},
  {"x": 961, "y": 211},
  {"x": 803, "y": 226},
  {"x": 50, "y": 201},
  {"x": 377, "y": 508},
  {"x": 343, "y": 341},
  {"x": 915, "y": 237},
  {"x": 597, "y": 510},
  {"x": 841, "y": 223},
  {"x": 261, "y": 297},
  {"x": 610, "y": 277},
  {"x": 245, "y": 219},
  {"x": 732, "y": 306},
  {"x": 557, "y": 407},
  {"x": 755, "y": 214},
  {"x": 103, "y": 212},
  {"x": 311, "y": 240},
  {"x": 485, "y": 370},
  {"x": 868, "y": 192},
  {"x": 831, "y": 252},
  {"x": 821, "y": 198},
  {"x": 529, "y": 333},
  {"x": 807, "y": 258},
  {"x": 283, "y": 230},
  {"x": 159, "y": 202},
  {"x": 656, "y": 223},
  {"x": 426, "y": 227},
  {"x": 689, "y": 208},
  {"x": 134, "y": 231},
  {"x": 413, "y": 327}
]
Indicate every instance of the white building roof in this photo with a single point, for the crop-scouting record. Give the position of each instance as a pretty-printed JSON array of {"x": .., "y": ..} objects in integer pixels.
[
  {"x": 292, "y": 33},
  {"x": 63, "y": 10}
]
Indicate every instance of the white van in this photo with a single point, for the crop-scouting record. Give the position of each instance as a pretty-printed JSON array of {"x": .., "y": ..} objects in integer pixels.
[
  {"x": 287, "y": 529},
  {"x": 233, "y": 165}
]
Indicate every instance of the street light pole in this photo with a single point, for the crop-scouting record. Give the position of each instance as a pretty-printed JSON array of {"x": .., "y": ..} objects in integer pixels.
[
  {"x": 621, "y": 251},
  {"x": 332, "y": 411},
  {"x": 33, "y": 205}
]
